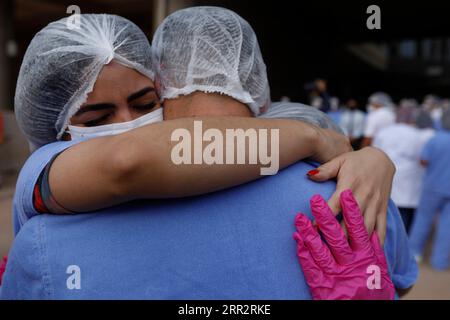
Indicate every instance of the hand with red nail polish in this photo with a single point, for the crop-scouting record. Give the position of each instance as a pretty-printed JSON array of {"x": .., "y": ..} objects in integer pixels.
[
  {"x": 312, "y": 172},
  {"x": 341, "y": 269},
  {"x": 356, "y": 171}
]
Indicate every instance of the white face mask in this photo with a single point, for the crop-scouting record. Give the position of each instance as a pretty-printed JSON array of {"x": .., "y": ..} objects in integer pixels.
[{"x": 114, "y": 128}]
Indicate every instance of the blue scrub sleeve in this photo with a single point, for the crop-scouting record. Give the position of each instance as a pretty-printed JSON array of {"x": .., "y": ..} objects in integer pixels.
[
  {"x": 23, "y": 208},
  {"x": 404, "y": 268},
  {"x": 427, "y": 150}
]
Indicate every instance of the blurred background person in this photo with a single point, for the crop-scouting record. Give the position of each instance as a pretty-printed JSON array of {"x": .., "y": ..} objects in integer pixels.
[
  {"x": 380, "y": 115},
  {"x": 407, "y": 111},
  {"x": 318, "y": 94},
  {"x": 335, "y": 112},
  {"x": 352, "y": 122},
  {"x": 424, "y": 122},
  {"x": 1, "y": 140},
  {"x": 432, "y": 104},
  {"x": 445, "y": 104},
  {"x": 435, "y": 199},
  {"x": 403, "y": 142}
]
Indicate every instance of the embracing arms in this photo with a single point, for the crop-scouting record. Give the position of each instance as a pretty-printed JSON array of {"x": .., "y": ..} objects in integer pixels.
[{"x": 106, "y": 171}]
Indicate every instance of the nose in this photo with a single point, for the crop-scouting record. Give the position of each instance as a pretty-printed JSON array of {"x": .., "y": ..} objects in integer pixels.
[{"x": 123, "y": 114}]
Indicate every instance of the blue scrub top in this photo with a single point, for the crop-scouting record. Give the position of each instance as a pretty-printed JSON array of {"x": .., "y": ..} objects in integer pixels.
[
  {"x": 233, "y": 244},
  {"x": 437, "y": 153}
]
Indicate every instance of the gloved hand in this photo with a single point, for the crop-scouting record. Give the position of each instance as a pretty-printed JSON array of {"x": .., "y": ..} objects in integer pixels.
[
  {"x": 2, "y": 268},
  {"x": 340, "y": 269}
]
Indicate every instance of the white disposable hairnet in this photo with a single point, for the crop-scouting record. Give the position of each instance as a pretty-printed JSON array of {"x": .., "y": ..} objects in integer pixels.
[
  {"x": 210, "y": 49},
  {"x": 63, "y": 62},
  {"x": 301, "y": 112},
  {"x": 381, "y": 98}
]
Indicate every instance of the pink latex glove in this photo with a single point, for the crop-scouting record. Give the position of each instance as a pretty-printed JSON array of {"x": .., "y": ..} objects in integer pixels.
[
  {"x": 339, "y": 269},
  {"x": 3, "y": 268}
]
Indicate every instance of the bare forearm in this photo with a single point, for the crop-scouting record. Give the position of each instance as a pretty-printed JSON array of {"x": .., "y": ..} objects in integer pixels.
[
  {"x": 293, "y": 141},
  {"x": 107, "y": 171}
]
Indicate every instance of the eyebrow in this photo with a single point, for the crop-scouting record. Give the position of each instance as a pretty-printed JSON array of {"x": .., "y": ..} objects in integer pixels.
[
  {"x": 95, "y": 107},
  {"x": 140, "y": 93},
  {"x": 103, "y": 106}
]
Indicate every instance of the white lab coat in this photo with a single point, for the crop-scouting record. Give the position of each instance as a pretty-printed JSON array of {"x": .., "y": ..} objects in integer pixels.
[
  {"x": 403, "y": 144},
  {"x": 377, "y": 120}
]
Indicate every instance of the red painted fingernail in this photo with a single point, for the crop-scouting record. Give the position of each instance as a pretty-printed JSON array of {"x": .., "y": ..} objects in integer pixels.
[
  {"x": 315, "y": 225},
  {"x": 313, "y": 172}
]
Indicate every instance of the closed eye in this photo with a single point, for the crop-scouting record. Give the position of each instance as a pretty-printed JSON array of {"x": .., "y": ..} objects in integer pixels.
[
  {"x": 147, "y": 106},
  {"x": 96, "y": 122}
]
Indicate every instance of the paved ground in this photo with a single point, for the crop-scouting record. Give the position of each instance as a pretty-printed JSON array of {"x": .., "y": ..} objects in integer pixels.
[{"x": 431, "y": 284}]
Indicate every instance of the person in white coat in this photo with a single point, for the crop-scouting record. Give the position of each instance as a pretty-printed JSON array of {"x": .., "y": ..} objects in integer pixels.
[
  {"x": 381, "y": 115},
  {"x": 403, "y": 142}
]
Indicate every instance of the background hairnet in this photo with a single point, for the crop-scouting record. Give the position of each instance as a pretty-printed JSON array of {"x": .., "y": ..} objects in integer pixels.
[
  {"x": 210, "y": 49},
  {"x": 301, "y": 112},
  {"x": 61, "y": 65},
  {"x": 381, "y": 98}
]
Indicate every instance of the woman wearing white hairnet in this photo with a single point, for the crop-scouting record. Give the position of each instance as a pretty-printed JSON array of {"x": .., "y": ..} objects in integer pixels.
[{"x": 96, "y": 82}]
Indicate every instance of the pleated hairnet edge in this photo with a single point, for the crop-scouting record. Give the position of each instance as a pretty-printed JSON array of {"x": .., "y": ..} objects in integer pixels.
[{"x": 173, "y": 93}]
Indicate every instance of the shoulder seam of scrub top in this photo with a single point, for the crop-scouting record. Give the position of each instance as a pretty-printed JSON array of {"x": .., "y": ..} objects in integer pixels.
[{"x": 41, "y": 242}]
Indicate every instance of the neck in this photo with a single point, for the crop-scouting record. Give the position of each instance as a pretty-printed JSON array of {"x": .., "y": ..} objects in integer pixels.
[{"x": 204, "y": 104}]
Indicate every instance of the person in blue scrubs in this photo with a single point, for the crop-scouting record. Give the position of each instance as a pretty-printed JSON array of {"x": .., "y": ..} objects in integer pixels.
[
  {"x": 91, "y": 175},
  {"x": 401, "y": 259},
  {"x": 232, "y": 244},
  {"x": 435, "y": 199},
  {"x": 123, "y": 95}
]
